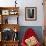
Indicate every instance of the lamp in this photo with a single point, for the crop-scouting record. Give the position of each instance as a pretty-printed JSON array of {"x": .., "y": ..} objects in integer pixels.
[{"x": 15, "y": 3}]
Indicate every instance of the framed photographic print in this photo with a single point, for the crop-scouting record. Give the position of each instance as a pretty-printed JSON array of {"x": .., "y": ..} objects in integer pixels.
[
  {"x": 5, "y": 12},
  {"x": 30, "y": 13}
]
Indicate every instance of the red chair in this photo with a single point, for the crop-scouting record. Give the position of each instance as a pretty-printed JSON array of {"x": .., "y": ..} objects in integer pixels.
[{"x": 29, "y": 33}]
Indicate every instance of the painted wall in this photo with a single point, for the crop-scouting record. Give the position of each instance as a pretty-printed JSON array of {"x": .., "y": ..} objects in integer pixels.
[{"x": 26, "y": 3}]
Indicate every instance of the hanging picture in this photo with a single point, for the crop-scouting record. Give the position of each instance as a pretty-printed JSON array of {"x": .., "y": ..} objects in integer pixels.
[
  {"x": 30, "y": 13},
  {"x": 5, "y": 12}
]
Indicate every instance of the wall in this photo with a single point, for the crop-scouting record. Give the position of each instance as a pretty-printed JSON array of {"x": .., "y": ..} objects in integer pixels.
[
  {"x": 26, "y": 3},
  {"x": 32, "y": 3}
]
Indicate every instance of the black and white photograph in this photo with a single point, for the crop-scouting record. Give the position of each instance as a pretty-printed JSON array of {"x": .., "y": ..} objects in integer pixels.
[{"x": 31, "y": 13}]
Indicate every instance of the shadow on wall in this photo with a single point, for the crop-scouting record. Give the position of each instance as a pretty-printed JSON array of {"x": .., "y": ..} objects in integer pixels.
[{"x": 37, "y": 29}]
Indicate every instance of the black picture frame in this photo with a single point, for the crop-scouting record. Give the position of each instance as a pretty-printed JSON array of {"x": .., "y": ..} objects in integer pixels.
[{"x": 30, "y": 13}]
